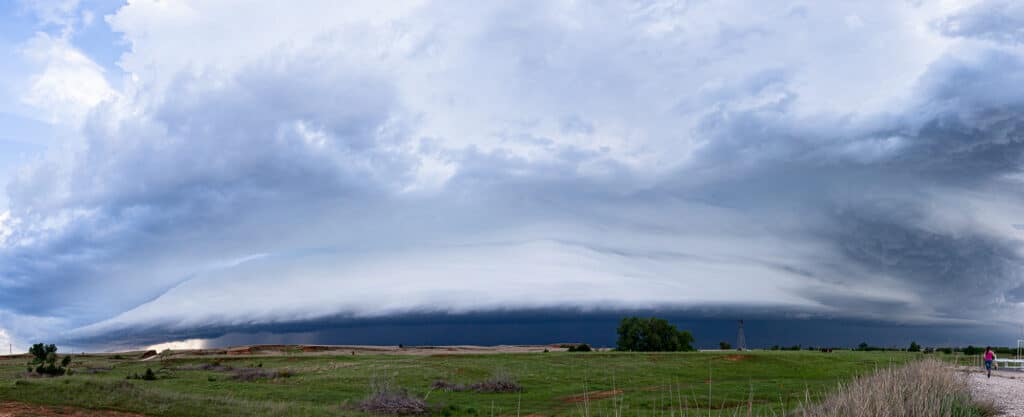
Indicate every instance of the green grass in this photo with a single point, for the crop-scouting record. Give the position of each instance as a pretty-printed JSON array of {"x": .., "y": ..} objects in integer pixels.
[{"x": 656, "y": 384}]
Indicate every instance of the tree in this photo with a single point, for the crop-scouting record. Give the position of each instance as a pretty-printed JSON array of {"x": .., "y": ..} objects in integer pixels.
[
  {"x": 41, "y": 352},
  {"x": 862, "y": 346},
  {"x": 582, "y": 347},
  {"x": 652, "y": 335},
  {"x": 971, "y": 350},
  {"x": 914, "y": 347},
  {"x": 45, "y": 359},
  {"x": 724, "y": 345}
]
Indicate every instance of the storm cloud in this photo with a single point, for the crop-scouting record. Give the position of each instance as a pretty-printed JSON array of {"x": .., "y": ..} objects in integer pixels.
[{"x": 264, "y": 166}]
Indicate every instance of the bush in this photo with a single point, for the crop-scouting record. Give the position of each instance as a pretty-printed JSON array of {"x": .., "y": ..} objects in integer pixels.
[
  {"x": 45, "y": 359},
  {"x": 914, "y": 347},
  {"x": 253, "y": 374},
  {"x": 387, "y": 398},
  {"x": 149, "y": 375},
  {"x": 500, "y": 382},
  {"x": 724, "y": 345},
  {"x": 652, "y": 335},
  {"x": 442, "y": 385},
  {"x": 582, "y": 347}
]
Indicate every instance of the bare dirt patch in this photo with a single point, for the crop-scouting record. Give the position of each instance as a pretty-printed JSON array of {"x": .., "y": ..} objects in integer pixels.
[
  {"x": 591, "y": 396},
  {"x": 736, "y": 358},
  {"x": 14, "y": 409}
]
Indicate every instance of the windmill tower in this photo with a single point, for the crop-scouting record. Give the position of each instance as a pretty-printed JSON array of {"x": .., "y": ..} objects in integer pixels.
[{"x": 741, "y": 342}]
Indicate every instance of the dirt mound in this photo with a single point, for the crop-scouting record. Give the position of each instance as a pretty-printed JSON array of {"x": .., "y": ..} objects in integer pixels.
[
  {"x": 591, "y": 396},
  {"x": 13, "y": 409},
  {"x": 736, "y": 358}
]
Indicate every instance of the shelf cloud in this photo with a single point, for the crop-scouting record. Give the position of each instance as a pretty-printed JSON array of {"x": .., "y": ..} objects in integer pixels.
[{"x": 277, "y": 163}]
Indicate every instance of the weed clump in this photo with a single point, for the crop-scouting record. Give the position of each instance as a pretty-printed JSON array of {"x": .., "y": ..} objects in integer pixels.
[
  {"x": 149, "y": 375},
  {"x": 388, "y": 398},
  {"x": 442, "y": 385},
  {"x": 500, "y": 382},
  {"x": 255, "y": 374}
]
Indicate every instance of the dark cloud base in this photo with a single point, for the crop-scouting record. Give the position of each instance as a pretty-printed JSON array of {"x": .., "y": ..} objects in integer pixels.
[{"x": 546, "y": 327}]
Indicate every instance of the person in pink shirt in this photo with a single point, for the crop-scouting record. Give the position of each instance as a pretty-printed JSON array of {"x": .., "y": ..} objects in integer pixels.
[{"x": 990, "y": 357}]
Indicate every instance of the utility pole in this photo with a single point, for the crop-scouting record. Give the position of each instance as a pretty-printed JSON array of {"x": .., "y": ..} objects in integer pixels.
[{"x": 741, "y": 341}]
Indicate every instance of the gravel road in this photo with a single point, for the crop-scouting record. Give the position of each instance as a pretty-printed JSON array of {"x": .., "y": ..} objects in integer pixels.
[{"x": 1005, "y": 388}]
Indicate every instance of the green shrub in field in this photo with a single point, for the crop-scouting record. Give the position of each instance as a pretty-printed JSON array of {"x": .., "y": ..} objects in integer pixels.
[
  {"x": 45, "y": 360},
  {"x": 149, "y": 375},
  {"x": 582, "y": 347},
  {"x": 652, "y": 335}
]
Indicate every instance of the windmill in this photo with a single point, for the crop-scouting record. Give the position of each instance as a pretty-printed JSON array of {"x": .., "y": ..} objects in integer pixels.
[{"x": 741, "y": 342}]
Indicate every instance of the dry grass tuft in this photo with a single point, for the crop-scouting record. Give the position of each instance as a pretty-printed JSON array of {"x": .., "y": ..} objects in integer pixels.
[
  {"x": 254, "y": 374},
  {"x": 926, "y": 388},
  {"x": 500, "y": 382},
  {"x": 387, "y": 398}
]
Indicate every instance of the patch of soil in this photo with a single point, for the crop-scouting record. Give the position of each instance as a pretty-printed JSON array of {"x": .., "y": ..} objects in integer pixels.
[
  {"x": 13, "y": 409},
  {"x": 736, "y": 358},
  {"x": 591, "y": 396},
  {"x": 148, "y": 354},
  {"x": 240, "y": 351}
]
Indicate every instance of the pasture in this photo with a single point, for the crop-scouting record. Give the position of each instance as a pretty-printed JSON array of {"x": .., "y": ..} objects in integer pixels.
[{"x": 554, "y": 384}]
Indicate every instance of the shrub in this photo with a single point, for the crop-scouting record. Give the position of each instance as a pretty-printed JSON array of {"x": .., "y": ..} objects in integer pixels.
[
  {"x": 253, "y": 374},
  {"x": 387, "y": 398},
  {"x": 45, "y": 359},
  {"x": 149, "y": 375},
  {"x": 442, "y": 385},
  {"x": 724, "y": 345},
  {"x": 652, "y": 335},
  {"x": 499, "y": 382},
  {"x": 582, "y": 347},
  {"x": 914, "y": 347}
]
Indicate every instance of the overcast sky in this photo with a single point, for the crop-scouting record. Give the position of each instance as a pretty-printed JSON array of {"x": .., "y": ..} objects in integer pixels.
[{"x": 193, "y": 167}]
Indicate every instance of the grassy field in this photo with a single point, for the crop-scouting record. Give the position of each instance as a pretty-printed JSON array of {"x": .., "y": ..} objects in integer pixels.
[{"x": 656, "y": 385}]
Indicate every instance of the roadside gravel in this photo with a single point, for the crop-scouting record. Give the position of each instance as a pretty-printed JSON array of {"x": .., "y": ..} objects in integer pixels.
[{"x": 1005, "y": 389}]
